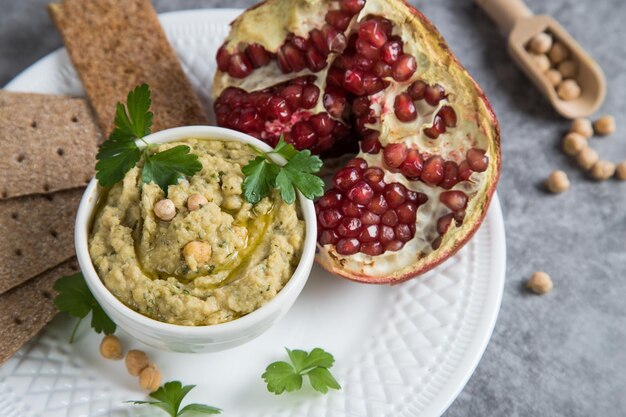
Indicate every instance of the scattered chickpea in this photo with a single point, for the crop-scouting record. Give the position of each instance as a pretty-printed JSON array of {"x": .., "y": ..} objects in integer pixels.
[
  {"x": 554, "y": 76},
  {"x": 540, "y": 283},
  {"x": 542, "y": 62},
  {"x": 150, "y": 378},
  {"x": 136, "y": 361},
  {"x": 568, "y": 90},
  {"x": 582, "y": 127},
  {"x": 111, "y": 347},
  {"x": 603, "y": 170},
  {"x": 558, "y": 53},
  {"x": 587, "y": 158},
  {"x": 557, "y": 182},
  {"x": 540, "y": 43},
  {"x": 605, "y": 125},
  {"x": 573, "y": 143},
  {"x": 195, "y": 201},
  {"x": 165, "y": 209},
  {"x": 197, "y": 253},
  {"x": 568, "y": 68},
  {"x": 621, "y": 171}
]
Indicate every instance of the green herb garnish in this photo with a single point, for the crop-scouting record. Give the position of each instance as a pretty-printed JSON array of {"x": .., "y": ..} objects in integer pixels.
[
  {"x": 120, "y": 153},
  {"x": 169, "y": 397},
  {"x": 75, "y": 298},
  {"x": 263, "y": 174},
  {"x": 282, "y": 376}
]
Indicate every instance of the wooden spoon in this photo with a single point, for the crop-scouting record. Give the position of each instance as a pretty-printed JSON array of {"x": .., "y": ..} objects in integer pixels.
[{"x": 517, "y": 21}]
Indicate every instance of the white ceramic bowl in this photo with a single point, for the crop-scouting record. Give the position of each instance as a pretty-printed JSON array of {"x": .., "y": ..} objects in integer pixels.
[{"x": 193, "y": 338}]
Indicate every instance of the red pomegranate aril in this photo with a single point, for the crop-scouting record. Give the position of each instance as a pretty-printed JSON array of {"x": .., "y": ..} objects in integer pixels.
[
  {"x": 395, "y": 194},
  {"x": 372, "y": 248},
  {"x": 353, "y": 81},
  {"x": 386, "y": 234},
  {"x": 315, "y": 61},
  {"x": 465, "y": 172},
  {"x": 417, "y": 90},
  {"x": 239, "y": 66},
  {"x": 366, "y": 49},
  {"x": 370, "y": 143},
  {"x": 361, "y": 193},
  {"x": 454, "y": 200},
  {"x": 352, "y": 209},
  {"x": 292, "y": 94},
  {"x": 412, "y": 165},
  {"x": 361, "y": 62},
  {"x": 373, "y": 175},
  {"x": 432, "y": 173},
  {"x": 403, "y": 68},
  {"x": 394, "y": 154},
  {"x": 393, "y": 246},
  {"x": 336, "y": 40},
  {"x": 448, "y": 116},
  {"x": 361, "y": 105},
  {"x": 390, "y": 218},
  {"x": 283, "y": 63},
  {"x": 373, "y": 32},
  {"x": 277, "y": 108},
  {"x": 299, "y": 42},
  {"x": 444, "y": 223},
  {"x": 223, "y": 58},
  {"x": 334, "y": 103},
  {"x": 369, "y": 233},
  {"x": 378, "y": 205},
  {"x": 358, "y": 163},
  {"x": 403, "y": 232},
  {"x": 373, "y": 84},
  {"x": 436, "y": 129},
  {"x": 437, "y": 243},
  {"x": 328, "y": 237},
  {"x": 347, "y": 246},
  {"x": 477, "y": 160},
  {"x": 407, "y": 212},
  {"x": 352, "y": 6},
  {"x": 459, "y": 216},
  {"x": 370, "y": 218},
  {"x": 345, "y": 178},
  {"x": 339, "y": 19},
  {"x": 391, "y": 51},
  {"x": 318, "y": 40},
  {"x": 450, "y": 175},
  {"x": 249, "y": 120},
  {"x": 334, "y": 77},
  {"x": 303, "y": 135},
  {"x": 331, "y": 199},
  {"x": 434, "y": 94},
  {"x": 329, "y": 218},
  {"x": 294, "y": 57},
  {"x": 404, "y": 108},
  {"x": 257, "y": 55},
  {"x": 310, "y": 95},
  {"x": 322, "y": 124},
  {"x": 382, "y": 69},
  {"x": 349, "y": 227}
]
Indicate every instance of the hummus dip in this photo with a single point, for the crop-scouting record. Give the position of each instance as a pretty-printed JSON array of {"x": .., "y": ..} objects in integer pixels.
[{"x": 249, "y": 251}]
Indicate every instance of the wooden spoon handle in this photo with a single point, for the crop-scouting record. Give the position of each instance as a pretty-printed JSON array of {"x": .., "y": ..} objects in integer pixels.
[{"x": 505, "y": 12}]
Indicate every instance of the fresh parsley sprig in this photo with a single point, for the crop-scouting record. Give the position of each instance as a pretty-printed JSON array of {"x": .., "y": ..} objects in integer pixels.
[
  {"x": 282, "y": 376},
  {"x": 263, "y": 174},
  {"x": 171, "y": 394},
  {"x": 120, "y": 152},
  {"x": 75, "y": 298}
]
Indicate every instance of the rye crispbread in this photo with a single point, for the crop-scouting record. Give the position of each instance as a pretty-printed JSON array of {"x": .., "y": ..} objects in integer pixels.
[
  {"x": 26, "y": 309},
  {"x": 48, "y": 143},
  {"x": 116, "y": 45},
  {"x": 37, "y": 233}
]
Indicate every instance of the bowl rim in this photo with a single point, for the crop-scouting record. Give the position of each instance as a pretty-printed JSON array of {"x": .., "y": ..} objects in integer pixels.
[{"x": 88, "y": 204}]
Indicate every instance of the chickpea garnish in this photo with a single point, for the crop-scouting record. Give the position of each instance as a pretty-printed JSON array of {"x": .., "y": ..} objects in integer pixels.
[
  {"x": 150, "y": 378},
  {"x": 111, "y": 347},
  {"x": 165, "y": 209},
  {"x": 605, "y": 125},
  {"x": 540, "y": 283},
  {"x": 557, "y": 182},
  {"x": 195, "y": 201},
  {"x": 136, "y": 361}
]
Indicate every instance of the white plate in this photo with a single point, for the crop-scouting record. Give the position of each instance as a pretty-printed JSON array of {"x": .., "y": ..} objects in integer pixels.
[{"x": 405, "y": 350}]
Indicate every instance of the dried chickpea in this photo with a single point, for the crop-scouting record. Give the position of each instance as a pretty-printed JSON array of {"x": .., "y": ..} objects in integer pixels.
[
  {"x": 568, "y": 68},
  {"x": 587, "y": 158},
  {"x": 540, "y": 43},
  {"x": 136, "y": 361},
  {"x": 195, "y": 201},
  {"x": 605, "y": 125},
  {"x": 541, "y": 62},
  {"x": 582, "y": 127},
  {"x": 621, "y": 171},
  {"x": 540, "y": 283},
  {"x": 165, "y": 209},
  {"x": 568, "y": 90},
  {"x": 150, "y": 378},
  {"x": 603, "y": 170},
  {"x": 558, "y": 53},
  {"x": 557, "y": 182},
  {"x": 197, "y": 253},
  {"x": 573, "y": 143},
  {"x": 554, "y": 76},
  {"x": 111, "y": 347}
]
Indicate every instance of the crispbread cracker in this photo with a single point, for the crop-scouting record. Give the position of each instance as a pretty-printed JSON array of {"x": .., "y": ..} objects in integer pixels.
[
  {"x": 48, "y": 143},
  {"x": 116, "y": 45},
  {"x": 26, "y": 309},
  {"x": 37, "y": 233}
]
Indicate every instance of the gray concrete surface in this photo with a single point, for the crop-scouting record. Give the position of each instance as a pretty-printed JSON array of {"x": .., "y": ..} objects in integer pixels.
[{"x": 563, "y": 354}]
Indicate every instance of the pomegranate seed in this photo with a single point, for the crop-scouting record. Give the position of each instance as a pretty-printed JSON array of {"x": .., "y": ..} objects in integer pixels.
[
  {"x": 373, "y": 84},
  {"x": 345, "y": 178},
  {"x": 336, "y": 40},
  {"x": 347, "y": 246},
  {"x": 373, "y": 32},
  {"x": 339, "y": 19},
  {"x": 334, "y": 103},
  {"x": 390, "y": 218},
  {"x": 386, "y": 234},
  {"x": 459, "y": 216},
  {"x": 361, "y": 62},
  {"x": 378, "y": 205},
  {"x": 303, "y": 135},
  {"x": 328, "y": 237},
  {"x": 395, "y": 194},
  {"x": 293, "y": 57},
  {"x": 292, "y": 94},
  {"x": 454, "y": 200},
  {"x": 335, "y": 77},
  {"x": 417, "y": 90},
  {"x": 369, "y": 233},
  {"x": 444, "y": 223},
  {"x": 448, "y": 115},
  {"x": 434, "y": 94},
  {"x": 358, "y": 163},
  {"x": 432, "y": 173},
  {"x": 322, "y": 124},
  {"x": 352, "y": 6},
  {"x": 391, "y": 51},
  {"x": 318, "y": 40},
  {"x": 249, "y": 120},
  {"x": 239, "y": 66},
  {"x": 349, "y": 227},
  {"x": 393, "y": 246},
  {"x": 407, "y": 212},
  {"x": 403, "y": 68},
  {"x": 361, "y": 105},
  {"x": 329, "y": 218},
  {"x": 310, "y": 95},
  {"x": 331, "y": 199},
  {"x": 394, "y": 154},
  {"x": 450, "y": 175},
  {"x": 361, "y": 121},
  {"x": 223, "y": 58},
  {"x": 277, "y": 109},
  {"x": 372, "y": 248},
  {"x": 382, "y": 69},
  {"x": 282, "y": 61},
  {"x": 464, "y": 171},
  {"x": 370, "y": 143},
  {"x": 370, "y": 218},
  {"x": 477, "y": 160},
  {"x": 404, "y": 108},
  {"x": 361, "y": 193},
  {"x": 352, "y": 209},
  {"x": 315, "y": 61},
  {"x": 403, "y": 232},
  {"x": 299, "y": 42},
  {"x": 373, "y": 175},
  {"x": 257, "y": 55},
  {"x": 384, "y": 24},
  {"x": 437, "y": 243},
  {"x": 353, "y": 82},
  {"x": 412, "y": 165},
  {"x": 436, "y": 129},
  {"x": 367, "y": 49}
]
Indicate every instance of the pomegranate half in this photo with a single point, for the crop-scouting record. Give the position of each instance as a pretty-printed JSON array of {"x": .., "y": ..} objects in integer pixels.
[{"x": 373, "y": 77}]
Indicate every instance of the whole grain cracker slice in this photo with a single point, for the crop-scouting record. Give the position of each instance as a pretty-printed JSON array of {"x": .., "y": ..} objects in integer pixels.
[
  {"x": 26, "y": 309},
  {"x": 48, "y": 143},
  {"x": 37, "y": 233},
  {"x": 116, "y": 45}
]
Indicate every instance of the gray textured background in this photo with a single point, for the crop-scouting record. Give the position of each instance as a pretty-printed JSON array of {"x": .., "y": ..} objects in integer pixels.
[{"x": 561, "y": 354}]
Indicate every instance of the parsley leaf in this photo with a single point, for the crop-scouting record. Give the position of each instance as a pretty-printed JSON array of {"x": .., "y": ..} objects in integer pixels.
[
  {"x": 75, "y": 298},
  {"x": 282, "y": 376},
  {"x": 262, "y": 174},
  {"x": 171, "y": 395},
  {"x": 116, "y": 157},
  {"x": 167, "y": 167}
]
